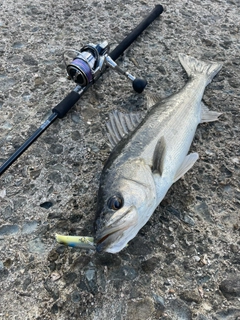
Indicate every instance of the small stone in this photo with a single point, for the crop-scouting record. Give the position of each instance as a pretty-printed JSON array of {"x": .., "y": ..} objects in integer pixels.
[
  {"x": 7, "y": 263},
  {"x": 8, "y": 229},
  {"x": 34, "y": 173},
  {"x": 82, "y": 285},
  {"x": 139, "y": 310},
  {"x": 55, "y": 276},
  {"x": 179, "y": 310},
  {"x": 191, "y": 296},
  {"x": 38, "y": 81},
  {"x": 56, "y": 148},
  {"x": 75, "y": 118},
  {"x": 159, "y": 304},
  {"x": 138, "y": 247},
  {"x": 230, "y": 287},
  {"x": 29, "y": 227},
  {"x": 124, "y": 273},
  {"x": 161, "y": 69},
  {"x": 208, "y": 43},
  {"x": 75, "y": 135},
  {"x": 55, "y": 177},
  {"x": 149, "y": 265},
  {"x": 206, "y": 306},
  {"x": 234, "y": 248},
  {"x": 69, "y": 277},
  {"x": 26, "y": 283},
  {"x": 54, "y": 308},
  {"x": 36, "y": 246},
  {"x": 197, "y": 258},
  {"x": 75, "y": 297},
  {"x": 109, "y": 260},
  {"x": 171, "y": 291},
  {"x": 204, "y": 260},
  {"x": 46, "y": 205},
  {"x": 52, "y": 256},
  {"x": 29, "y": 60},
  {"x": 3, "y": 193},
  {"x": 90, "y": 273}
]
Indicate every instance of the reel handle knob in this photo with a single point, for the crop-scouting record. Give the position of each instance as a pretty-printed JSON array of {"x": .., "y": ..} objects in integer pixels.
[{"x": 139, "y": 85}]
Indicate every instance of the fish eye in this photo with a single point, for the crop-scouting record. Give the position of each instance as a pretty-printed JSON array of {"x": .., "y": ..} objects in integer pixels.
[{"x": 115, "y": 202}]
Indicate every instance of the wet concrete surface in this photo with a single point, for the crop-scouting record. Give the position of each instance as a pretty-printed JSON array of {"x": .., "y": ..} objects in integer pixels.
[{"x": 184, "y": 263}]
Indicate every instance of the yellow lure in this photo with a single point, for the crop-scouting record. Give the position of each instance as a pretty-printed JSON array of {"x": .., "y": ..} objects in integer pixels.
[{"x": 76, "y": 241}]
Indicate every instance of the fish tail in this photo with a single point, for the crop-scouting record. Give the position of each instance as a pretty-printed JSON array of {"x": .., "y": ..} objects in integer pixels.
[{"x": 196, "y": 67}]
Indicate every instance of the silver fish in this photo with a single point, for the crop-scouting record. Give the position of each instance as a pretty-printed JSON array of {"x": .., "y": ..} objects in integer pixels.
[{"x": 149, "y": 155}]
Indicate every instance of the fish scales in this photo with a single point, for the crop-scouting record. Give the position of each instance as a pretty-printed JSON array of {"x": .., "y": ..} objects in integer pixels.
[
  {"x": 148, "y": 156},
  {"x": 149, "y": 159}
]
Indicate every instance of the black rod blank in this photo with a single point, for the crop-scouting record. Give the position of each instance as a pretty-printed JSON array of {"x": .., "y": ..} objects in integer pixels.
[
  {"x": 68, "y": 102},
  {"x": 118, "y": 51}
]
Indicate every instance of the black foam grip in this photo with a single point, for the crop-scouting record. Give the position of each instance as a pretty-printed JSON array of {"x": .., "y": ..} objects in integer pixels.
[
  {"x": 66, "y": 104},
  {"x": 118, "y": 51}
]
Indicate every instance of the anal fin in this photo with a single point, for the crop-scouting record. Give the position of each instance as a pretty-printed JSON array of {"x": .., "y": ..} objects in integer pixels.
[
  {"x": 159, "y": 155},
  {"x": 186, "y": 165},
  {"x": 207, "y": 115}
]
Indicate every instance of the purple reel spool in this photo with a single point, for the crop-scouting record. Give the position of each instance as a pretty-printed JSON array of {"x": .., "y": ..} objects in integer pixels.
[{"x": 80, "y": 72}]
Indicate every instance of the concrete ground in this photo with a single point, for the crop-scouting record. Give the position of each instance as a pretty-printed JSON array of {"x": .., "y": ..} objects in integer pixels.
[{"x": 184, "y": 263}]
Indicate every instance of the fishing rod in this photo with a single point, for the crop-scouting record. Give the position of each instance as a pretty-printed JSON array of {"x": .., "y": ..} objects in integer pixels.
[{"x": 85, "y": 67}]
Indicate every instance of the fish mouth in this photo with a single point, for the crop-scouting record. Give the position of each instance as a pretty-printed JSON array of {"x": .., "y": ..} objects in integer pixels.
[{"x": 114, "y": 235}]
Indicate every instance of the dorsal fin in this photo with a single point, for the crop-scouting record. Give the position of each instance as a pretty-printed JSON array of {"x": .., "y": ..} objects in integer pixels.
[{"x": 120, "y": 124}]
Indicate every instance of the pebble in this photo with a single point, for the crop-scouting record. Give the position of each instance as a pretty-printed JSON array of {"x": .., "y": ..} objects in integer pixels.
[
  {"x": 75, "y": 297},
  {"x": 149, "y": 265},
  {"x": 37, "y": 246},
  {"x": 29, "y": 227},
  {"x": 3, "y": 193},
  {"x": 159, "y": 305},
  {"x": 141, "y": 309},
  {"x": 138, "y": 247},
  {"x": 69, "y": 278},
  {"x": 124, "y": 273},
  {"x": 230, "y": 287},
  {"x": 177, "y": 309},
  {"x": 47, "y": 204},
  {"x": 8, "y": 229},
  {"x": 190, "y": 296}
]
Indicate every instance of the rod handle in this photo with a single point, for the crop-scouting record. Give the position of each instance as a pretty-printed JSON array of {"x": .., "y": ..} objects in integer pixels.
[{"x": 66, "y": 104}]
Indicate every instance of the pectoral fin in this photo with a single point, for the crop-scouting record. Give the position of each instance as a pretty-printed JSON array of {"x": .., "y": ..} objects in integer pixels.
[
  {"x": 186, "y": 165},
  {"x": 159, "y": 156},
  {"x": 207, "y": 115}
]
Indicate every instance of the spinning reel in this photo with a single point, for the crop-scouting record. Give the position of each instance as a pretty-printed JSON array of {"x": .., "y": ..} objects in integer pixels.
[{"x": 85, "y": 66}]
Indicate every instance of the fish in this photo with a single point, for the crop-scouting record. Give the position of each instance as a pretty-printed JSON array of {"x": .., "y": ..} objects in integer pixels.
[{"x": 149, "y": 154}]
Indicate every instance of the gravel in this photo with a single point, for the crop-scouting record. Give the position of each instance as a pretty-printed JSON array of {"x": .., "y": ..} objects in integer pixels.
[{"x": 185, "y": 262}]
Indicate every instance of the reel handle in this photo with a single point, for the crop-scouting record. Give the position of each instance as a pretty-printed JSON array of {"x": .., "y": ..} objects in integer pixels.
[{"x": 139, "y": 85}]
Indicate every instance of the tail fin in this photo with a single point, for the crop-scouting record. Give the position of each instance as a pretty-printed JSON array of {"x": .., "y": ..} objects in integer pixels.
[{"x": 195, "y": 67}]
